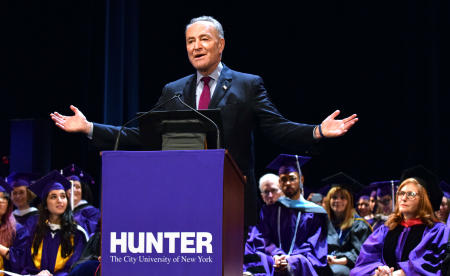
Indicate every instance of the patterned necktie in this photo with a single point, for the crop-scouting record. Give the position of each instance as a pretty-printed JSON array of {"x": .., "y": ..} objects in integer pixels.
[{"x": 205, "y": 97}]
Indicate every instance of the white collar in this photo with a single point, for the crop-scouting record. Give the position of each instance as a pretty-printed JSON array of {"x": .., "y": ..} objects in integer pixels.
[
  {"x": 23, "y": 212},
  {"x": 81, "y": 203},
  {"x": 214, "y": 75}
]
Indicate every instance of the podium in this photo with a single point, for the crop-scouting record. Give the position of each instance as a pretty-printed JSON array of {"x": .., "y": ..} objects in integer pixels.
[{"x": 171, "y": 213}]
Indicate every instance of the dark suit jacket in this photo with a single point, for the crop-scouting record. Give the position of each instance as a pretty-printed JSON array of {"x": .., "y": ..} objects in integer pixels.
[{"x": 244, "y": 106}]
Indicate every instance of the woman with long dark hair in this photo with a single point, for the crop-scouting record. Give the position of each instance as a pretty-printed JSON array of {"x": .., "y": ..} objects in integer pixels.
[
  {"x": 412, "y": 241},
  {"x": 13, "y": 236},
  {"x": 57, "y": 241},
  {"x": 347, "y": 231}
]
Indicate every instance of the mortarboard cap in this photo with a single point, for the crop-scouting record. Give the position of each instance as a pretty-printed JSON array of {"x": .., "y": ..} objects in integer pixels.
[
  {"x": 52, "y": 181},
  {"x": 428, "y": 180},
  {"x": 383, "y": 188},
  {"x": 445, "y": 187},
  {"x": 4, "y": 187},
  {"x": 17, "y": 179},
  {"x": 342, "y": 180},
  {"x": 286, "y": 163},
  {"x": 73, "y": 172}
]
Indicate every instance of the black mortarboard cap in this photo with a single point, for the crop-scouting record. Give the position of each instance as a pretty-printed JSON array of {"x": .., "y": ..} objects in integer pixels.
[
  {"x": 342, "y": 180},
  {"x": 428, "y": 180},
  {"x": 52, "y": 181}
]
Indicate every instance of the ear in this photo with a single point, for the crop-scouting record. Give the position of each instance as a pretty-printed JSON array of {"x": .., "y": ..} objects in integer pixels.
[{"x": 221, "y": 44}]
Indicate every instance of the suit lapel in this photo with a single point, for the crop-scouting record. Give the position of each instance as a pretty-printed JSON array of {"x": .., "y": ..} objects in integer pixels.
[
  {"x": 222, "y": 87},
  {"x": 189, "y": 91}
]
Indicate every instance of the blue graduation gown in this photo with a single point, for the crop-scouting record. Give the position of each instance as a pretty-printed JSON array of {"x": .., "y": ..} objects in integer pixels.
[
  {"x": 347, "y": 243},
  {"x": 424, "y": 259}
]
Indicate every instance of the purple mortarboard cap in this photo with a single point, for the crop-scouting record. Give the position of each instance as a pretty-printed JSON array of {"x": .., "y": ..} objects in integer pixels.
[
  {"x": 18, "y": 179},
  {"x": 342, "y": 180},
  {"x": 445, "y": 187},
  {"x": 428, "y": 180},
  {"x": 286, "y": 163},
  {"x": 4, "y": 187},
  {"x": 373, "y": 193},
  {"x": 52, "y": 181},
  {"x": 384, "y": 187},
  {"x": 73, "y": 172},
  {"x": 365, "y": 193}
]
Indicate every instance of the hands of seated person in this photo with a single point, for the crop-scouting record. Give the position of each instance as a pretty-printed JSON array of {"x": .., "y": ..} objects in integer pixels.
[
  {"x": 280, "y": 262},
  {"x": 335, "y": 260},
  {"x": 44, "y": 273},
  {"x": 384, "y": 270}
]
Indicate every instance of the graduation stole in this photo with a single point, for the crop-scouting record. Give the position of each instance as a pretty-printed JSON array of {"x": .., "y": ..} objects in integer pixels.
[
  {"x": 1, "y": 266},
  {"x": 60, "y": 261}
]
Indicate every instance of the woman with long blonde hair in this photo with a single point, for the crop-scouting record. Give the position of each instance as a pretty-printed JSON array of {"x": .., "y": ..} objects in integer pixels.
[
  {"x": 412, "y": 241},
  {"x": 346, "y": 230}
]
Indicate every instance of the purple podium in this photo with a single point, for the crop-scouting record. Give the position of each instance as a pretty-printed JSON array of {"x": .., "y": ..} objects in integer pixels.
[{"x": 171, "y": 213}]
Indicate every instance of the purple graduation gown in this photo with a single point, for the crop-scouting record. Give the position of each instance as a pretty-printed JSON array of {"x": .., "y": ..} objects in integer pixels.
[
  {"x": 310, "y": 248},
  {"x": 18, "y": 250},
  {"x": 49, "y": 253},
  {"x": 29, "y": 220},
  {"x": 255, "y": 260},
  {"x": 425, "y": 259},
  {"x": 87, "y": 216}
]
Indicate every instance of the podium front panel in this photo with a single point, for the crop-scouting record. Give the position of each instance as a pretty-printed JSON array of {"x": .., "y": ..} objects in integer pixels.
[{"x": 162, "y": 212}]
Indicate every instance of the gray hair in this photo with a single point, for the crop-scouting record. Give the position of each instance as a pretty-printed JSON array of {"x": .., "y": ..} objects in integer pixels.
[
  {"x": 268, "y": 177},
  {"x": 211, "y": 19}
]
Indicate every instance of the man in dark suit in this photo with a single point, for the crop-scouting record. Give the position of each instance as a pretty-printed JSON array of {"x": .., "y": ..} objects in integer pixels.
[{"x": 241, "y": 97}]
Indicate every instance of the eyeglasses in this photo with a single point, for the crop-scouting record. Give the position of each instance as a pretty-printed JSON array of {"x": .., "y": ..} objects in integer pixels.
[
  {"x": 286, "y": 179},
  {"x": 267, "y": 192},
  {"x": 409, "y": 195}
]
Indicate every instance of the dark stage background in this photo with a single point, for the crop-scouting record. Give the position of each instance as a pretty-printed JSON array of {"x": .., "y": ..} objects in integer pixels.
[{"x": 387, "y": 61}]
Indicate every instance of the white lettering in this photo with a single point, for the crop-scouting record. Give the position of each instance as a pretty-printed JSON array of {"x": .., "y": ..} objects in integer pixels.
[
  {"x": 172, "y": 236},
  {"x": 185, "y": 242},
  {"x": 141, "y": 243},
  {"x": 204, "y": 239},
  {"x": 122, "y": 242},
  {"x": 154, "y": 243}
]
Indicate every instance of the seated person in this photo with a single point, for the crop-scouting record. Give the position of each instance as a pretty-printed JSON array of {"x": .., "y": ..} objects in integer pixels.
[
  {"x": 293, "y": 229},
  {"x": 412, "y": 241},
  {"x": 346, "y": 230},
  {"x": 270, "y": 191},
  {"x": 13, "y": 236},
  {"x": 384, "y": 203},
  {"x": 444, "y": 209},
  {"x": 84, "y": 214},
  {"x": 22, "y": 197},
  {"x": 57, "y": 241}
]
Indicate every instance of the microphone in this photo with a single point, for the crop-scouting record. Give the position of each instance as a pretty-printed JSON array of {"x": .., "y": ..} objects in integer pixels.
[
  {"x": 203, "y": 116},
  {"x": 116, "y": 144}
]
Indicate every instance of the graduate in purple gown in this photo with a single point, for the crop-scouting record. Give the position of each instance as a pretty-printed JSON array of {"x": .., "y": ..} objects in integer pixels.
[
  {"x": 412, "y": 241},
  {"x": 384, "y": 201},
  {"x": 13, "y": 236},
  {"x": 443, "y": 213},
  {"x": 57, "y": 241},
  {"x": 84, "y": 213},
  {"x": 293, "y": 229},
  {"x": 347, "y": 231},
  {"x": 22, "y": 197}
]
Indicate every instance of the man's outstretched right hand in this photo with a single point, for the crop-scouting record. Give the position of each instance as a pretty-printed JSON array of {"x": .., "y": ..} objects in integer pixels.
[{"x": 74, "y": 123}]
